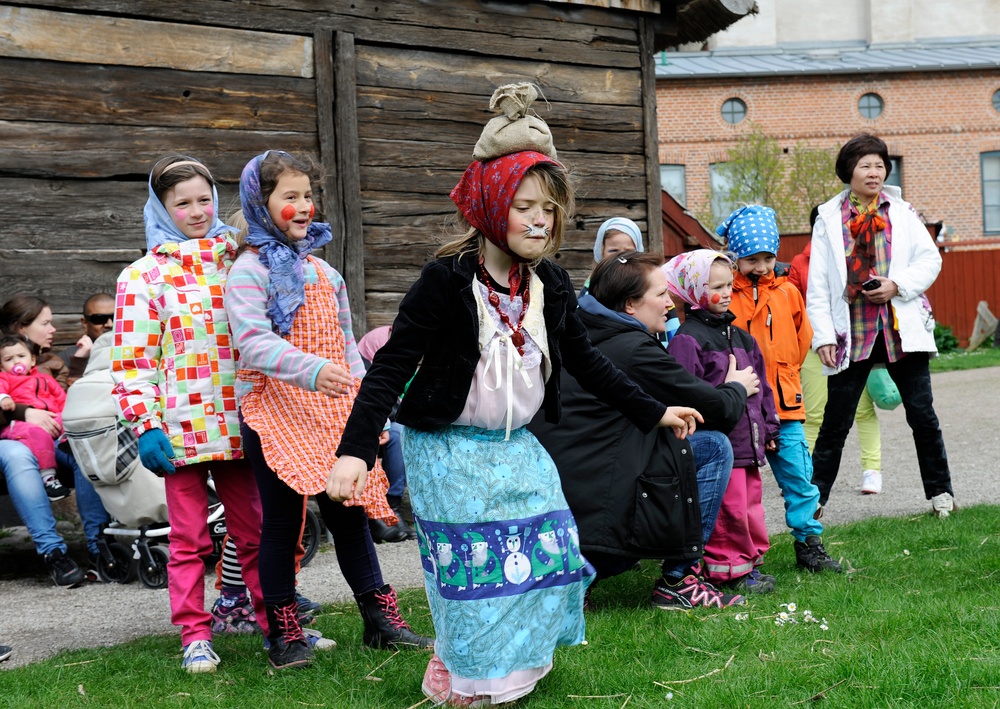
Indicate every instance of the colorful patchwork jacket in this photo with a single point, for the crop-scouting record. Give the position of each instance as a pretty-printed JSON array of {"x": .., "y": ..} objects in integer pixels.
[{"x": 173, "y": 359}]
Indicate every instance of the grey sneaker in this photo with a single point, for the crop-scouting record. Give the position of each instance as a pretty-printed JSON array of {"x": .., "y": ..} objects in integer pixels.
[{"x": 943, "y": 505}]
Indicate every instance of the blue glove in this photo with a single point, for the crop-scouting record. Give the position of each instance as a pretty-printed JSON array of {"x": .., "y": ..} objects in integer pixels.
[{"x": 155, "y": 452}]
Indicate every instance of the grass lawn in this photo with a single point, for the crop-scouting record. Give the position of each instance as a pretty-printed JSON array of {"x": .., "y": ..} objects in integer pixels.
[
  {"x": 913, "y": 623},
  {"x": 984, "y": 356}
]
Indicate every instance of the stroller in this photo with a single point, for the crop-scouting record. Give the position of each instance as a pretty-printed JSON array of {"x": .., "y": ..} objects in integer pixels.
[{"x": 108, "y": 454}]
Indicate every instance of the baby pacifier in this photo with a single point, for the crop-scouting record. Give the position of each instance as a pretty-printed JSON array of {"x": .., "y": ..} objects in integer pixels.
[{"x": 19, "y": 369}]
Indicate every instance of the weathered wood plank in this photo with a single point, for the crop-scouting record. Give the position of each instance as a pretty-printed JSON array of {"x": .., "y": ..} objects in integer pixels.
[
  {"x": 513, "y": 29},
  {"x": 68, "y": 151},
  {"x": 654, "y": 239},
  {"x": 63, "y": 277},
  {"x": 330, "y": 185},
  {"x": 346, "y": 120},
  {"x": 49, "y": 214},
  {"x": 474, "y": 77},
  {"x": 91, "y": 93},
  {"x": 31, "y": 33}
]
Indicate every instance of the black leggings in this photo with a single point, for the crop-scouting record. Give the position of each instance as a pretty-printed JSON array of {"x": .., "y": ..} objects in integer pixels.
[{"x": 282, "y": 509}]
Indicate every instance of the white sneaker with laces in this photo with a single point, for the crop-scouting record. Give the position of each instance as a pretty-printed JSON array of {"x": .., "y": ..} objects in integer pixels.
[
  {"x": 199, "y": 657},
  {"x": 871, "y": 482},
  {"x": 943, "y": 505}
]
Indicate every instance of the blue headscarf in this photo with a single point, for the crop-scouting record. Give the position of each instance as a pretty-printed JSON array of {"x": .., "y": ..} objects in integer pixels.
[
  {"x": 751, "y": 230},
  {"x": 283, "y": 260},
  {"x": 160, "y": 228}
]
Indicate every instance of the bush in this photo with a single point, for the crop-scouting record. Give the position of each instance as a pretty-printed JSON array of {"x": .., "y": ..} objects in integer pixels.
[{"x": 945, "y": 339}]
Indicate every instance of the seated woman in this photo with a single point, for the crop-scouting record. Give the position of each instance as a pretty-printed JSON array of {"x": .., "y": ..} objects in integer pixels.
[{"x": 644, "y": 495}]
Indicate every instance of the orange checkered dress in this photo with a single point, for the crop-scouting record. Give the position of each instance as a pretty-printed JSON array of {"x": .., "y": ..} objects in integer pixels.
[{"x": 300, "y": 430}]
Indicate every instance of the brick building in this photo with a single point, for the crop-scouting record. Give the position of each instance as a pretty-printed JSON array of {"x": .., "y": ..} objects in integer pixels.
[
  {"x": 937, "y": 106},
  {"x": 922, "y": 74}
]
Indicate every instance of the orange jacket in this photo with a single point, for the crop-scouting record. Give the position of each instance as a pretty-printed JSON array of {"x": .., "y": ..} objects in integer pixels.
[{"x": 774, "y": 312}]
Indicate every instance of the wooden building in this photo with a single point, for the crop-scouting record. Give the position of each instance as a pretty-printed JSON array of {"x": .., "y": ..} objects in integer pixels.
[{"x": 389, "y": 96}]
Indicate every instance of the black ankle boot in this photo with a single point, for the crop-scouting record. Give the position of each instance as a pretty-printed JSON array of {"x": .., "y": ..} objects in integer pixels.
[
  {"x": 384, "y": 627},
  {"x": 381, "y": 532},
  {"x": 287, "y": 644}
]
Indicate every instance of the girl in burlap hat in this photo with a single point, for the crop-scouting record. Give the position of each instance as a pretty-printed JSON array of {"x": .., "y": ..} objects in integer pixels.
[{"x": 491, "y": 321}]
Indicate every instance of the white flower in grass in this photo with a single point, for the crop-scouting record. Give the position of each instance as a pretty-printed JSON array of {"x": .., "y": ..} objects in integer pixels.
[
  {"x": 670, "y": 695},
  {"x": 906, "y": 552},
  {"x": 742, "y": 616}
]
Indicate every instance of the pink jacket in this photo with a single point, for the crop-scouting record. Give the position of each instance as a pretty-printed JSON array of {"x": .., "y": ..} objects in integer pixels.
[{"x": 35, "y": 389}]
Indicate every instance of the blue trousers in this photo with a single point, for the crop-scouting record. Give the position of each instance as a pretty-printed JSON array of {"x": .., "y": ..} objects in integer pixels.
[
  {"x": 88, "y": 502},
  {"x": 24, "y": 484},
  {"x": 793, "y": 469}
]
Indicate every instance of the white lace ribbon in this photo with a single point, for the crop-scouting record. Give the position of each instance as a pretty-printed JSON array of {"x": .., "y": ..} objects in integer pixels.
[{"x": 514, "y": 363}]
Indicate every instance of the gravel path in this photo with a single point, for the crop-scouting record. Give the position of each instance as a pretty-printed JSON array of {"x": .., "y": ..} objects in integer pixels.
[{"x": 39, "y": 619}]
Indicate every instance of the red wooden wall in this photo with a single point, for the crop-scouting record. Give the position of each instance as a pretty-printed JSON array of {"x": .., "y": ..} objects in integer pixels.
[{"x": 969, "y": 274}]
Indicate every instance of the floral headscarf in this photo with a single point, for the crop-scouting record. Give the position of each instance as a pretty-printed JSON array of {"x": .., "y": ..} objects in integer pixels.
[
  {"x": 283, "y": 260},
  {"x": 160, "y": 228},
  {"x": 484, "y": 195},
  {"x": 688, "y": 274}
]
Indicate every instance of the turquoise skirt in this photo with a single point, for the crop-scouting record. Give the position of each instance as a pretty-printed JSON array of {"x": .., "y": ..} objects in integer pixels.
[{"x": 499, "y": 547}]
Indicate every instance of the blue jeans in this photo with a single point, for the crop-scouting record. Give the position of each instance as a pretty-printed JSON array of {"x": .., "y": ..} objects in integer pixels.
[
  {"x": 24, "y": 484},
  {"x": 392, "y": 463},
  {"x": 713, "y": 462},
  {"x": 88, "y": 502},
  {"x": 793, "y": 469},
  {"x": 713, "y": 459}
]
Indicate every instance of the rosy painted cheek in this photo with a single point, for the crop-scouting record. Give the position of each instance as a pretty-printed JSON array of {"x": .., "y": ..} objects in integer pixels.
[
  {"x": 312, "y": 211},
  {"x": 210, "y": 211},
  {"x": 181, "y": 215},
  {"x": 287, "y": 212},
  {"x": 716, "y": 298}
]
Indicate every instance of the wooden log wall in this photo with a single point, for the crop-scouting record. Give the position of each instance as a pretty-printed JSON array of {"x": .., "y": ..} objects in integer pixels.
[{"x": 409, "y": 83}]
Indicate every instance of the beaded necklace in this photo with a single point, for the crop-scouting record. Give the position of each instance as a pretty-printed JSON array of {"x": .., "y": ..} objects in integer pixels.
[{"x": 516, "y": 336}]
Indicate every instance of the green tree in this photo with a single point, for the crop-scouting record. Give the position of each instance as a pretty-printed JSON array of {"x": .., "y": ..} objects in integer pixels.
[{"x": 758, "y": 171}]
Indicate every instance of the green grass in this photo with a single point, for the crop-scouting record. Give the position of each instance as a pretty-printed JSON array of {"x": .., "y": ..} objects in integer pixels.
[
  {"x": 913, "y": 623},
  {"x": 984, "y": 356}
]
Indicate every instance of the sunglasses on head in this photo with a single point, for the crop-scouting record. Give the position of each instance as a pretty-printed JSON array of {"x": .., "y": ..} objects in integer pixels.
[{"x": 99, "y": 318}]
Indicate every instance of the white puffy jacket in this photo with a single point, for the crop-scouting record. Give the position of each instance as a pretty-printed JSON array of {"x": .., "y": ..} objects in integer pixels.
[{"x": 913, "y": 266}]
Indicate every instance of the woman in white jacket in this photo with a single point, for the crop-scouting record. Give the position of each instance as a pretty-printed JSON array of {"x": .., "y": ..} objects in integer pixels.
[{"x": 872, "y": 260}]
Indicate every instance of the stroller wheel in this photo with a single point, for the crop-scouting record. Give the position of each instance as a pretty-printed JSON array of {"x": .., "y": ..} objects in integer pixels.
[
  {"x": 153, "y": 574},
  {"x": 312, "y": 535},
  {"x": 120, "y": 569}
]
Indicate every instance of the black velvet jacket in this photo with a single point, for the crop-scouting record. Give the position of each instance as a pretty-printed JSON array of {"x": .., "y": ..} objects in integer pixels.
[{"x": 437, "y": 328}]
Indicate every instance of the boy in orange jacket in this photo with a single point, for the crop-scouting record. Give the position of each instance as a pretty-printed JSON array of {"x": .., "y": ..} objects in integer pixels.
[{"x": 772, "y": 310}]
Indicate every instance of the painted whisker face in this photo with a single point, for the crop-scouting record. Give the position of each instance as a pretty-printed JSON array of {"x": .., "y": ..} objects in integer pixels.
[{"x": 530, "y": 220}]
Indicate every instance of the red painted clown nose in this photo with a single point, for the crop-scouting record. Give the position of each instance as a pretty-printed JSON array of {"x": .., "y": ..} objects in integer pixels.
[
  {"x": 715, "y": 298},
  {"x": 288, "y": 212}
]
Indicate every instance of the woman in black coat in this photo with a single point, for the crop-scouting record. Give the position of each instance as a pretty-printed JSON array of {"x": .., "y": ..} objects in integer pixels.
[{"x": 639, "y": 494}]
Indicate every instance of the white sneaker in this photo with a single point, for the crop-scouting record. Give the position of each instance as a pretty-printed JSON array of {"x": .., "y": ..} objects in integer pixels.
[
  {"x": 871, "y": 482},
  {"x": 199, "y": 657},
  {"x": 943, "y": 505}
]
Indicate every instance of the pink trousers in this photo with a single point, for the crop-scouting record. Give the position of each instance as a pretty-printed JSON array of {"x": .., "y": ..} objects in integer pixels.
[
  {"x": 190, "y": 544},
  {"x": 739, "y": 540},
  {"x": 36, "y": 438}
]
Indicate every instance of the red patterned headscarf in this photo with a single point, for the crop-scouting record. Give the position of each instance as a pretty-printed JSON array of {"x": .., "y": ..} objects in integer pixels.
[{"x": 484, "y": 195}]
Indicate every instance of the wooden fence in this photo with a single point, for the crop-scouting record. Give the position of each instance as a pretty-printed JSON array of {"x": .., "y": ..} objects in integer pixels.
[{"x": 970, "y": 272}]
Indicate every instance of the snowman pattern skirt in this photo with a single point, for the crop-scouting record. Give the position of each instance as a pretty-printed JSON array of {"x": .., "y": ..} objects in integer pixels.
[{"x": 499, "y": 547}]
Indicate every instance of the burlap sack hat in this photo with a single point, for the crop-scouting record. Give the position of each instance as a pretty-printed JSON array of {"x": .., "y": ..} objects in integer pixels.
[{"x": 517, "y": 128}]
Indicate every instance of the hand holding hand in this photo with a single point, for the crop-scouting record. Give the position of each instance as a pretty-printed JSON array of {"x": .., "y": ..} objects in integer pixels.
[
  {"x": 771, "y": 446},
  {"x": 683, "y": 419},
  {"x": 333, "y": 380},
  {"x": 828, "y": 355},
  {"x": 155, "y": 452},
  {"x": 884, "y": 293},
  {"x": 347, "y": 479},
  {"x": 747, "y": 377},
  {"x": 45, "y": 420},
  {"x": 83, "y": 347}
]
